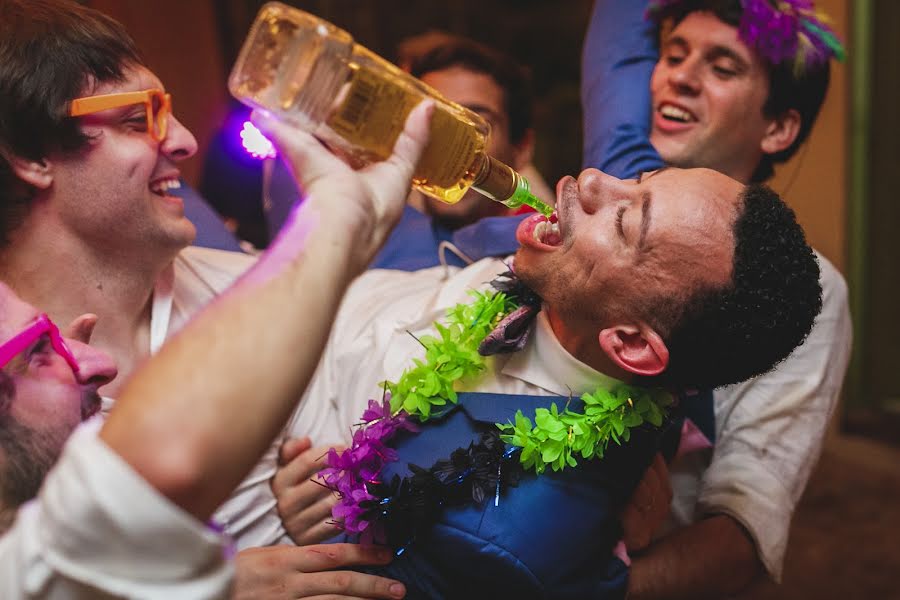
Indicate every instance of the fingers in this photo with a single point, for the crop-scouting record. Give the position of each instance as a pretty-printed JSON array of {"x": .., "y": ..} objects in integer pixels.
[
  {"x": 304, "y": 505},
  {"x": 324, "y": 557},
  {"x": 289, "y": 572},
  {"x": 345, "y": 585},
  {"x": 300, "y": 468},
  {"x": 414, "y": 137},
  {"x": 304, "y": 154},
  {"x": 314, "y": 523},
  {"x": 318, "y": 533},
  {"x": 391, "y": 178},
  {"x": 81, "y": 328},
  {"x": 292, "y": 448}
]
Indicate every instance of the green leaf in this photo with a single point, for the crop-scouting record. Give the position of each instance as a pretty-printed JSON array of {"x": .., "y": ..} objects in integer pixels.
[
  {"x": 551, "y": 452},
  {"x": 632, "y": 419}
]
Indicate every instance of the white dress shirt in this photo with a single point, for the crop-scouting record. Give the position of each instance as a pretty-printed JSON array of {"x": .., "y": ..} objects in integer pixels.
[{"x": 98, "y": 530}]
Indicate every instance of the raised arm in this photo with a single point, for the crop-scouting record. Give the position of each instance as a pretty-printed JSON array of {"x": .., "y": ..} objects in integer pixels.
[
  {"x": 240, "y": 365},
  {"x": 620, "y": 51}
]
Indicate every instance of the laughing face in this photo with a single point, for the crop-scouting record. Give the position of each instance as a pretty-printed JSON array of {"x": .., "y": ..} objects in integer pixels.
[
  {"x": 113, "y": 194},
  {"x": 616, "y": 243},
  {"x": 708, "y": 91}
]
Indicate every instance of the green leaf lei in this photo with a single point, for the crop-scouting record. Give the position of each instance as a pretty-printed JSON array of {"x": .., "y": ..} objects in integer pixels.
[{"x": 556, "y": 437}]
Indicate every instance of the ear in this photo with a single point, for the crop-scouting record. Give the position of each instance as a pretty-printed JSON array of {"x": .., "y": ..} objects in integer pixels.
[
  {"x": 781, "y": 132},
  {"x": 524, "y": 150},
  {"x": 637, "y": 349},
  {"x": 37, "y": 173}
]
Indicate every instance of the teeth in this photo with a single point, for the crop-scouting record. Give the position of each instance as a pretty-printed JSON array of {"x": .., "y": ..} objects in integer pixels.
[
  {"x": 161, "y": 187},
  {"x": 543, "y": 229},
  {"x": 673, "y": 112}
]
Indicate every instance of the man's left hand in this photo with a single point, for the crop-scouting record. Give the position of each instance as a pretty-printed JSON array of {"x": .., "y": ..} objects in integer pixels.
[
  {"x": 303, "y": 504},
  {"x": 649, "y": 506}
]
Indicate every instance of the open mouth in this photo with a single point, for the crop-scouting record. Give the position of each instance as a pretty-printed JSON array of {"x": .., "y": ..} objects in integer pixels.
[
  {"x": 547, "y": 231},
  {"x": 538, "y": 231},
  {"x": 161, "y": 187},
  {"x": 675, "y": 114}
]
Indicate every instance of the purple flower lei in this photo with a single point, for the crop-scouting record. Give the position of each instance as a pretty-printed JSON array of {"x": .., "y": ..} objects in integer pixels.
[
  {"x": 350, "y": 472},
  {"x": 782, "y": 31}
]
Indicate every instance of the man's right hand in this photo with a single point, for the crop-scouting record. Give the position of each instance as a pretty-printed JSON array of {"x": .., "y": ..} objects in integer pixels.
[
  {"x": 291, "y": 572},
  {"x": 363, "y": 205}
]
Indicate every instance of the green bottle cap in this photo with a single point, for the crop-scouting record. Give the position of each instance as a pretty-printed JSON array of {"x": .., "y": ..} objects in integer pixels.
[{"x": 523, "y": 195}]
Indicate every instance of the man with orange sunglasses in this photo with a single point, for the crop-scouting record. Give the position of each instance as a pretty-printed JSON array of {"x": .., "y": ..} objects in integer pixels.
[
  {"x": 124, "y": 512},
  {"x": 89, "y": 151}
]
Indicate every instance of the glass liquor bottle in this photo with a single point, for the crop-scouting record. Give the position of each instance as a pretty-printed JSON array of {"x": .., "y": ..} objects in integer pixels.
[{"x": 311, "y": 74}]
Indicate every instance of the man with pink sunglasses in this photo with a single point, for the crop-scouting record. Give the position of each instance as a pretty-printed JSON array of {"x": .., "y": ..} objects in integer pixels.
[{"x": 123, "y": 512}]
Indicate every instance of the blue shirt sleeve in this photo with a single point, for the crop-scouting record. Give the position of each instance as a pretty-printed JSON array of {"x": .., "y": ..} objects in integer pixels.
[{"x": 620, "y": 51}]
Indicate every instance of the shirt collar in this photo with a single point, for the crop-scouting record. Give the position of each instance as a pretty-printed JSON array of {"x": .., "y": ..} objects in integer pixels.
[{"x": 545, "y": 363}]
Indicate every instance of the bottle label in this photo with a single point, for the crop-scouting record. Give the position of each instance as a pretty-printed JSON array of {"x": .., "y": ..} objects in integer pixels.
[{"x": 372, "y": 115}]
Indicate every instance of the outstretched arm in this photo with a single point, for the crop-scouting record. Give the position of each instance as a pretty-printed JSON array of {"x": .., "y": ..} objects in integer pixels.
[
  {"x": 620, "y": 51},
  {"x": 260, "y": 342}
]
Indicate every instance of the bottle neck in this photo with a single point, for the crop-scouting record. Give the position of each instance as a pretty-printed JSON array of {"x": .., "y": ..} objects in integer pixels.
[
  {"x": 502, "y": 183},
  {"x": 495, "y": 179}
]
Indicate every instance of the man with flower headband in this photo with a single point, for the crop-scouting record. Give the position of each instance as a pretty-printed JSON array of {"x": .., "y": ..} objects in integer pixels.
[{"x": 735, "y": 86}]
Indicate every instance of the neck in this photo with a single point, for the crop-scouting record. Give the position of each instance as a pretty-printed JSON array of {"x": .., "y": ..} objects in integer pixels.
[
  {"x": 580, "y": 339},
  {"x": 745, "y": 173},
  {"x": 66, "y": 277}
]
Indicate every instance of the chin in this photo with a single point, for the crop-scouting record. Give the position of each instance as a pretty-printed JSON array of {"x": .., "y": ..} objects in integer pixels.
[
  {"x": 527, "y": 271},
  {"x": 183, "y": 234}
]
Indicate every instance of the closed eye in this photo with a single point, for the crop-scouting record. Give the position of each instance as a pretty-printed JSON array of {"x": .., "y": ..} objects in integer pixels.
[
  {"x": 39, "y": 350},
  {"x": 137, "y": 120},
  {"x": 620, "y": 214}
]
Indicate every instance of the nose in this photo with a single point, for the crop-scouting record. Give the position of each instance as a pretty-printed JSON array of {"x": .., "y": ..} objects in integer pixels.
[
  {"x": 596, "y": 188},
  {"x": 95, "y": 367},
  {"x": 683, "y": 77},
  {"x": 180, "y": 142}
]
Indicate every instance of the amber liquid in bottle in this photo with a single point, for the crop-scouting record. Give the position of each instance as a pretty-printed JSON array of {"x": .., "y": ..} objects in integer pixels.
[{"x": 312, "y": 75}]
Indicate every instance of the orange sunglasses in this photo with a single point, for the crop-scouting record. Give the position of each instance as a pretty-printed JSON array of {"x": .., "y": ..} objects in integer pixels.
[{"x": 157, "y": 103}]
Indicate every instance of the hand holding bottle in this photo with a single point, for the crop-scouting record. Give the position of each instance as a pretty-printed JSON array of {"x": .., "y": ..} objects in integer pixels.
[{"x": 361, "y": 206}]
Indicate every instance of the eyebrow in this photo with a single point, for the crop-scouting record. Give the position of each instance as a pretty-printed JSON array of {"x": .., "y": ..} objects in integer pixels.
[
  {"x": 645, "y": 220},
  {"x": 675, "y": 40},
  {"x": 484, "y": 111}
]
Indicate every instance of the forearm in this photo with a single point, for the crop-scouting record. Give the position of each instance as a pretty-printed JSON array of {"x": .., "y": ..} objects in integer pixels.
[
  {"x": 620, "y": 52},
  {"x": 712, "y": 558},
  {"x": 259, "y": 343},
  {"x": 250, "y": 354}
]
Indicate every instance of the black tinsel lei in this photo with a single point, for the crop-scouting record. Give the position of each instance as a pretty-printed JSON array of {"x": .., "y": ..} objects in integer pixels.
[{"x": 405, "y": 507}]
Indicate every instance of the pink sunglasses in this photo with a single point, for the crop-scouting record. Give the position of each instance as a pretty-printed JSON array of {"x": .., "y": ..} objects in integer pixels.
[{"x": 25, "y": 338}]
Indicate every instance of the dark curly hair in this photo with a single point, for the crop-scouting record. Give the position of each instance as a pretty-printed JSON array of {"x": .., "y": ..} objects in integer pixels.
[
  {"x": 803, "y": 92},
  {"x": 723, "y": 336},
  {"x": 513, "y": 78},
  {"x": 50, "y": 50}
]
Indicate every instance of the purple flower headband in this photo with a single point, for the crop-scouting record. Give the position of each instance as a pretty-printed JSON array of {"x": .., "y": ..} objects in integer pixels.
[{"x": 782, "y": 31}]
